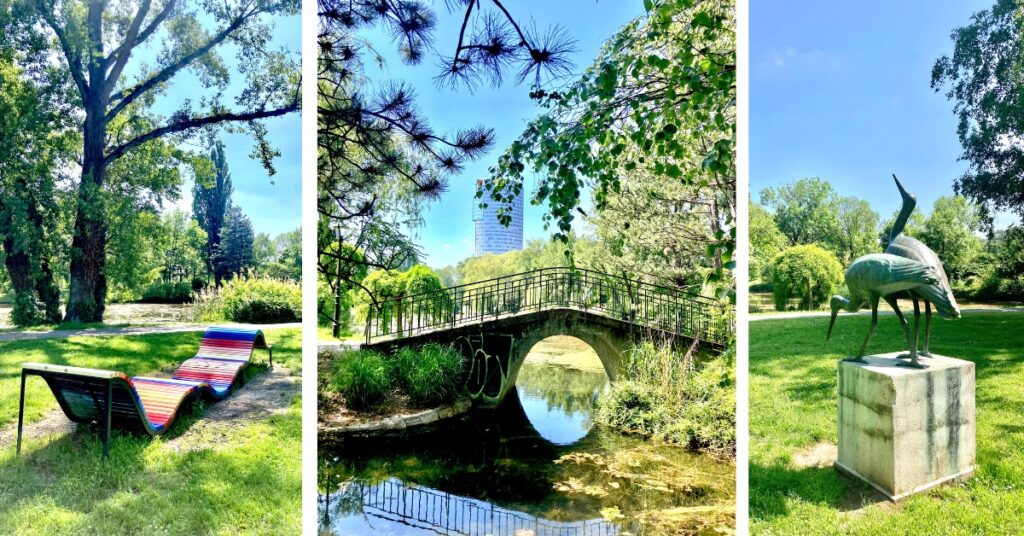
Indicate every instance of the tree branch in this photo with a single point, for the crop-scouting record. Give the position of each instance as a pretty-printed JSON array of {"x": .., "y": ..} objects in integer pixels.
[
  {"x": 188, "y": 124},
  {"x": 173, "y": 68},
  {"x": 73, "y": 58},
  {"x": 124, "y": 51}
]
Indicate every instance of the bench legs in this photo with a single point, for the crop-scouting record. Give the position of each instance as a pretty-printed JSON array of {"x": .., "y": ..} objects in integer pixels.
[
  {"x": 21, "y": 411},
  {"x": 106, "y": 426}
]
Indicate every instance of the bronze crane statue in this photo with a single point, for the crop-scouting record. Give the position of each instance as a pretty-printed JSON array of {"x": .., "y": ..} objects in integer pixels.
[
  {"x": 875, "y": 276},
  {"x": 940, "y": 295}
]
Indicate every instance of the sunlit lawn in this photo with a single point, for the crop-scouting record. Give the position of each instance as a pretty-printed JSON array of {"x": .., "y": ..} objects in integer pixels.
[
  {"x": 249, "y": 482},
  {"x": 793, "y": 407}
]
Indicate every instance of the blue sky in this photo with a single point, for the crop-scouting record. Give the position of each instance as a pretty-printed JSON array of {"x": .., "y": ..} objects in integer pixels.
[
  {"x": 842, "y": 91},
  {"x": 273, "y": 204},
  {"x": 447, "y": 235}
]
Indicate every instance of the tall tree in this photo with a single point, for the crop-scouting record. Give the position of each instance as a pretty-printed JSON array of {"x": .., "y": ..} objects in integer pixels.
[
  {"x": 857, "y": 229},
  {"x": 766, "y": 241},
  {"x": 950, "y": 231},
  {"x": 95, "y": 40},
  {"x": 235, "y": 254},
  {"x": 660, "y": 99},
  {"x": 37, "y": 141},
  {"x": 211, "y": 199},
  {"x": 805, "y": 211},
  {"x": 983, "y": 79}
]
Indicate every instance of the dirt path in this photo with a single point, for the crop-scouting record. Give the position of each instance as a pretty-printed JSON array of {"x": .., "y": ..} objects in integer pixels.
[
  {"x": 270, "y": 393},
  {"x": 139, "y": 330}
]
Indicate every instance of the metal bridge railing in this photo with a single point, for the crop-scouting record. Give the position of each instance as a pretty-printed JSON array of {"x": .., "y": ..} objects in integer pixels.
[{"x": 651, "y": 306}]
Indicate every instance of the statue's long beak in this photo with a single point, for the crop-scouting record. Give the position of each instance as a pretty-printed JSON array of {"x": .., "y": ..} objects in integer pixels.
[
  {"x": 899, "y": 185},
  {"x": 832, "y": 323}
]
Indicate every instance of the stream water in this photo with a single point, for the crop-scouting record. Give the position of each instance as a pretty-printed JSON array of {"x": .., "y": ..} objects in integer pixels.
[{"x": 534, "y": 466}]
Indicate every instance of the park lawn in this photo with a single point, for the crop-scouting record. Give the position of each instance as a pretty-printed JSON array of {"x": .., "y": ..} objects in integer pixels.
[
  {"x": 793, "y": 408},
  {"x": 248, "y": 482}
]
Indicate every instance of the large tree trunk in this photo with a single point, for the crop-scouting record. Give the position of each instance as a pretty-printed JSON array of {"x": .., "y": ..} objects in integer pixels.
[{"x": 88, "y": 291}]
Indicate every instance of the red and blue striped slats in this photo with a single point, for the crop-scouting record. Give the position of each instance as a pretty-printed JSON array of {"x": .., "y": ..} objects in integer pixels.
[
  {"x": 161, "y": 398},
  {"x": 222, "y": 354}
]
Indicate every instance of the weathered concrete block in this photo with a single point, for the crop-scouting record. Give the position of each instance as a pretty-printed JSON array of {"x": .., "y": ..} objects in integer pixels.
[{"x": 905, "y": 430}]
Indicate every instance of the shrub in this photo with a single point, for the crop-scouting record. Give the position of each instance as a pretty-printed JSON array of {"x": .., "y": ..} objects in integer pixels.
[
  {"x": 808, "y": 272},
  {"x": 258, "y": 300},
  {"x": 167, "y": 292},
  {"x": 363, "y": 377},
  {"x": 665, "y": 396},
  {"x": 207, "y": 307},
  {"x": 430, "y": 374}
]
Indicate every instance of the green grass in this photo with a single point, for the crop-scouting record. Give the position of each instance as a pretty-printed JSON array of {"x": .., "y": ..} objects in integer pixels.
[
  {"x": 246, "y": 481},
  {"x": 793, "y": 407}
]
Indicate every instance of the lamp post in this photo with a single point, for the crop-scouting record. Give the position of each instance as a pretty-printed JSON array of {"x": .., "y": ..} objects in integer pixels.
[{"x": 336, "y": 320}]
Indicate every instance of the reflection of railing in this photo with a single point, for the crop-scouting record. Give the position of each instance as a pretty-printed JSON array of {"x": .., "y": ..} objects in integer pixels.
[
  {"x": 651, "y": 306},
  {"x": 450, "y": 514}
]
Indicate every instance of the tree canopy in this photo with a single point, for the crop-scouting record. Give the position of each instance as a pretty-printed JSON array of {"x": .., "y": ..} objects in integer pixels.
[
  {"x": 983, "y": 79},
  {"x": 659, "y": 100}
]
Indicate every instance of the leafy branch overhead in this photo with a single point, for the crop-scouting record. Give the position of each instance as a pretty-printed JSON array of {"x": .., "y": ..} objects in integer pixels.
[
  {"x": 379, "y": 159},
  {"x": 660, "y": 99}
]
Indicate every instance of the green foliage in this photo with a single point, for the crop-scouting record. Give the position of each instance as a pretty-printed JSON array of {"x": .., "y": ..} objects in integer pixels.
[
  {"x": 983, "y": 79},
  {"x": 675, "y": 398},
  {"x": 430, "y": 374},
  {"x": 949, "y": 231},
  {"x": 804, "y": 211},
  {"x": 810, "y": 273},
  {"x": 167, "y": 292},
  {"x": 419, "y": 279},
  {"x": 261, "y": 300},
  {"x": 857, "y": 234},
  {"x": 658, "y": 101},
  {"x": 234, "y": 254},
  {"x": 363, "y": 377},
  {"x": 766, "y": 241},
  {"x": 207, "y": 307}
]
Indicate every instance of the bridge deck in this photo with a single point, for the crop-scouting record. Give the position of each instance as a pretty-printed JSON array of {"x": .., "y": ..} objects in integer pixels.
[{"x": 665, "y": 309}]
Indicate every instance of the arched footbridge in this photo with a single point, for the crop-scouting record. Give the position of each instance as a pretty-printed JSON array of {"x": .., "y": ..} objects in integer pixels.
[{"x": 495, "y": 323}]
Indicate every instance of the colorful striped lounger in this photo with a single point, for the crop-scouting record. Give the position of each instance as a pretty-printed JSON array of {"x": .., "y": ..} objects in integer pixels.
[{"x": 111, "y": 398}]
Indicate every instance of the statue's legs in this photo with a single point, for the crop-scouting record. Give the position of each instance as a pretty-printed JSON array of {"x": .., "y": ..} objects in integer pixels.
[
  {"x": 871, "y": 331},
  {"x": 927, "y": 327},
  {"x": 913, "y": 349},
  {"x": 911, "y": 343}
]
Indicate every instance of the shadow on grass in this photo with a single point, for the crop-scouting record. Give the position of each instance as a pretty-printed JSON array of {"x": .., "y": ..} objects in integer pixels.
[
  {"x": 67, "y": 486},
  {"x": 772, "y": 485}
]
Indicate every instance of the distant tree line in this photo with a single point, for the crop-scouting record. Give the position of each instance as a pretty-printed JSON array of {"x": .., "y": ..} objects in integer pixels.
[{"x": 803, "y": 234}]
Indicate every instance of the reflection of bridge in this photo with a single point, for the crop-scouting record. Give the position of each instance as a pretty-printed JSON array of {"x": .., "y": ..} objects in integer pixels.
[
  {"x": 444, "y": 513},
  {"x": 496, "y": 322}
]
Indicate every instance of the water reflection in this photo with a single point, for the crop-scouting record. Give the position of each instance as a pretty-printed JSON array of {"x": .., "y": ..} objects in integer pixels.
[
  {"x": 396, "y": 508},
  {"x": 559, "y": 400},
  {"x": 534, "y": 466}
]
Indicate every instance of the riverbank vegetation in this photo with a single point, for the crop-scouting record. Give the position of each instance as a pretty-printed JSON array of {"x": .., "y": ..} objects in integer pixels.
[
  {"x": 674, "y": 397},
  {"x": 425, "y": 376},
  {"x": 793, "y": 487}
]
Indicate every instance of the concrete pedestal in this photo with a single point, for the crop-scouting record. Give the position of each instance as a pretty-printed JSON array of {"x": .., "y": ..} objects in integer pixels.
[{"x": 905, "y": 430}]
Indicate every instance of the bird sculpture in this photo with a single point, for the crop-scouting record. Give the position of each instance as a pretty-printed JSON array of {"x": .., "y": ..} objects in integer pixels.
[
  {"x": 875, "y": 276},
  {"x": 940, "y": 295}
]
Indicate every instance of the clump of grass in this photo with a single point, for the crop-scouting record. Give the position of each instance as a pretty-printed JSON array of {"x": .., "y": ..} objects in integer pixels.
[
  {"x": 429, "y": 374},
  {"x": 665, "y": 395},
  {"x": 363, "y": 377}
]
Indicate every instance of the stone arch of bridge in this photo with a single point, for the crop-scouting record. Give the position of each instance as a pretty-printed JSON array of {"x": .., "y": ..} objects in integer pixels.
[{"x": 608, "y": 346}]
